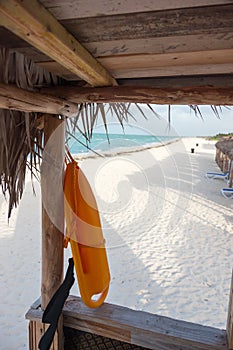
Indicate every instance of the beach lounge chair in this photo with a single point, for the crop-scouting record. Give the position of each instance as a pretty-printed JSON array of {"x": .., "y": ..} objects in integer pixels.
[
  {"x": 213, "y": 175},
  {"x": 227, "y": 192}
]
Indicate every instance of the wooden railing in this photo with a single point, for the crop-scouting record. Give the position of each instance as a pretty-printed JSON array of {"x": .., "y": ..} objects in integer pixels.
[{"x": 134, "y": 327}]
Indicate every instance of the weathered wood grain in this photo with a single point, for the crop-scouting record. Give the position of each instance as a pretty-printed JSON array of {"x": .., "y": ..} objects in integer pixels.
[
  {"x": 166, "y": 95},
  {"x": 130, "y": 30},
  {"x": 52, "y": 207},
  {"x": 54, "y": 99},
  {"x": 36, "y": 331},
  {"x": 211, "y": 49},
  {"x": 205, "y": 69},
  {"x": 147, "y": 328},
  {"x": 143, "y": 61},
  {"x": 33, "y": 23},
  {"x": 163, "y": 71},
  {"x": 139, "y": 328},
  {"x": 189, "y": 21},
  {"x": 12, "y": 97},
  {"x": 77, "y": 8},
  {"x": 161, "y": 45},
  {"x": 181, "y": 82},
  {"x": 134, "y": 44},
  {"x": 52, "y": 171}
]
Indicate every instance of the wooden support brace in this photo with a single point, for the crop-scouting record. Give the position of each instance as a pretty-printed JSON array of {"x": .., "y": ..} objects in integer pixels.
[
  {"x": 64, "y": 99},
  {"x": 12, "y": 97},
  {"x": 144, "y": 94}
]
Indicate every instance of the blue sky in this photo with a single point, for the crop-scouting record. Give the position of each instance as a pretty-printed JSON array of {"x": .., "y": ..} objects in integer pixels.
[{"x": 183, "y": 122}]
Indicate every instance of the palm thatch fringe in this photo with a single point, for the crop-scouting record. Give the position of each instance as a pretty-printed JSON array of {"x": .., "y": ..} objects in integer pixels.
[
  {"x": 21, "y": 134},
  {"x": 21, "y": 141}
]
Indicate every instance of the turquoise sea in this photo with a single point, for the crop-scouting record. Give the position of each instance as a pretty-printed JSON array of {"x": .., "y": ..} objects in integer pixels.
[{"x": 114, "y": 143}]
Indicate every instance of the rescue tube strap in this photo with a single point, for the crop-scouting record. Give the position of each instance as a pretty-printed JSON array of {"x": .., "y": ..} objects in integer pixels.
[{"x": 54, "y": 308}]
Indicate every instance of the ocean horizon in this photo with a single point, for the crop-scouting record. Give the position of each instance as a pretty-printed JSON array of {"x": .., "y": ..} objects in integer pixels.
[{"x": 114, "y": 142}]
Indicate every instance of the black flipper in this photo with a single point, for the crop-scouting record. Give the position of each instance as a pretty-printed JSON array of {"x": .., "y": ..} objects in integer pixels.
[
  {"x": 54, "y": 308},
  {"x": 47, "y": 339}
]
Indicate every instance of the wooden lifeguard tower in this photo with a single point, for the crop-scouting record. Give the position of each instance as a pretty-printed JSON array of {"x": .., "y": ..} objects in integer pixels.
[{"x": 160, "y": 52}]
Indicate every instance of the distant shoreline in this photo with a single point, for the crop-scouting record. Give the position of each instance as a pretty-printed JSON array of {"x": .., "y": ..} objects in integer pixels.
[{"x": 121, "y": 150}]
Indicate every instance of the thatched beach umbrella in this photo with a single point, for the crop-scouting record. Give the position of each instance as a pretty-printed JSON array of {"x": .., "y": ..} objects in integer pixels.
[
  {"x": 226, "y": 147},
  {"x": 224, "y": 156}
]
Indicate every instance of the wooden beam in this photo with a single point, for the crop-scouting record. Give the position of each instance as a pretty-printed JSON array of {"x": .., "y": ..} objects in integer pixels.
[
  {"x": 64, "y": 99},
  {"x": 156, "y": 42},
  {"x": 89, "y": 8},
  {"x": 153, "y": 45},
  {"x": 170, "y": 71},
  {"x": 33, "y": 23},
  {"x": 181, "y": 82},
  {"x": 162, "y": 45},
  {"x": 151, "y": 61},
  {"x": 12, "y": 97},
  {"x": 138, "y": 327},
  {"x": 149, "y": 72},
  {"x": 154, "y": 24},
  {"x": 167, "y": 95}
]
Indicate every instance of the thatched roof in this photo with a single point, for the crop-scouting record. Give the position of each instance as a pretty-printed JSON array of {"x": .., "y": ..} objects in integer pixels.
[
  {"x": 226, "y": 147},
  {"x": 21, "y": 133},
  {"x": 21, "y": 141},
  {"x": 153, "y": 52}
]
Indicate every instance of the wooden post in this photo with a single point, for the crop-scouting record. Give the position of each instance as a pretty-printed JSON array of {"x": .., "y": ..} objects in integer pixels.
[
  {"x": 52, "y": 226},
  {"x": 225, "y": 163},
  {"x": 217, "y": 157},
  {"x": 221, "y": 160},
  {"x": 230, "y": 317},
  {"x": 231, "y": 174},
  {"x": 52, "y": 208}
]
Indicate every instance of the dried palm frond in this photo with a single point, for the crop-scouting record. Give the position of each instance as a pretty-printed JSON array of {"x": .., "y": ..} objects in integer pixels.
[
  {"x": 21, "y": 134},
  {"x": 217, "y": 110},
  {"x": 21, "y": 141}
]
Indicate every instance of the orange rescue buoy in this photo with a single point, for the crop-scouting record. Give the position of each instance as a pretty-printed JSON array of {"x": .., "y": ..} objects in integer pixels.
[{"x": 84, "y": 232}]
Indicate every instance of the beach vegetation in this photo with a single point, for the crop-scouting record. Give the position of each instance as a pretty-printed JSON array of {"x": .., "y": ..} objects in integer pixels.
[{"x": 221, "y": 136}]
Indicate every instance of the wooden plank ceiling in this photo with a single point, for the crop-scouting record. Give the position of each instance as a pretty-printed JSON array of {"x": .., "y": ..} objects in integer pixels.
[{"x": 142, "y": 39}]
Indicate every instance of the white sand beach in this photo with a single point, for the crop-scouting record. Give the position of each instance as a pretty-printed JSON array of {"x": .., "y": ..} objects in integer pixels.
[{"x": 169, "y": 235}]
